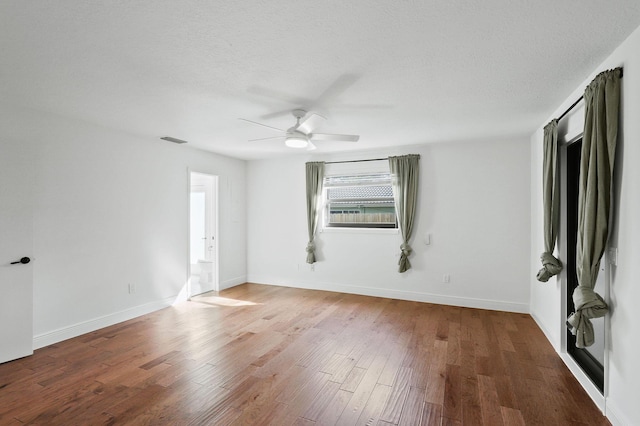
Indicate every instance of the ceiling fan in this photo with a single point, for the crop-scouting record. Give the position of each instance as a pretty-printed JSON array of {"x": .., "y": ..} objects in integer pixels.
[{"x": 301, "y": 134}]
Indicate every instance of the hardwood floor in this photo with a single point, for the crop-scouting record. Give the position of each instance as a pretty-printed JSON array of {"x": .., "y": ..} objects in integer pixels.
[{"x": 259, "y": 355}]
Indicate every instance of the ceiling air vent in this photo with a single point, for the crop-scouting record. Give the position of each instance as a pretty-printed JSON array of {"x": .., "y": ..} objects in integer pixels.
[{"x": 174, "y": 140}]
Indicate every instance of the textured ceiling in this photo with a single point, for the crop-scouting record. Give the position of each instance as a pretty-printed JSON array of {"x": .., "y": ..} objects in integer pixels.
[{"x": 394, "y": 72}]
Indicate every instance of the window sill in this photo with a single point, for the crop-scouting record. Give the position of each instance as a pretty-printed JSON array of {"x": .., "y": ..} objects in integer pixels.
[{"x": 339, "y": 230}]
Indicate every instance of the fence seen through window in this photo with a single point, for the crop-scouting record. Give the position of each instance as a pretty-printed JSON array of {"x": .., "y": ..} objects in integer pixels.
[{"x": 359, "y": 201}]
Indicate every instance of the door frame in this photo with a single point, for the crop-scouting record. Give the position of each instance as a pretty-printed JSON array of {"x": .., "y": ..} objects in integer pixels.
[
  {"x": 570, "y": 130},
  {"x": 584, "y": 357},
  {"x": 214, "y": 223}
]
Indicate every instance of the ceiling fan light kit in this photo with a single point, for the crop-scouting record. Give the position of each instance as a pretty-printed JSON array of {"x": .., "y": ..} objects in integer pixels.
[
  {"x": 300, "y": 135},
  {"x": 296, "y": 141}
]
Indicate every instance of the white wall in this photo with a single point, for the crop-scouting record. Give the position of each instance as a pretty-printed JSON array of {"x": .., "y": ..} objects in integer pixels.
[
  {"x": 111, "y": 209},
  {"x": 622, "y": 376},
  {"x": 474, "y": 201}
]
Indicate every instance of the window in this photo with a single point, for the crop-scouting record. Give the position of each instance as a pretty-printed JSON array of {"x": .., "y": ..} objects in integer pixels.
[{"x": 359, "y": 201}]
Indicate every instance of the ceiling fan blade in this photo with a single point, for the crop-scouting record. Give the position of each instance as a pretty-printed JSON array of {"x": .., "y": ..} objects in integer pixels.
[
  {"x": 310, "y": 122},
  {"x": 310, "y": 146},
  {"x": 279, "y": 96},
  {"x": 264, "y": 139},
  {"x": 329, "y": 137},
  {"x": 260, "y": 124},
  {"x": 337, "y": 88},
  {"x": 286, "y": 112}
]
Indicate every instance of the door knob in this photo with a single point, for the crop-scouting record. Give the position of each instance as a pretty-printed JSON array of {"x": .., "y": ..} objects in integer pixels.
[{"x": 24, "y": 261}]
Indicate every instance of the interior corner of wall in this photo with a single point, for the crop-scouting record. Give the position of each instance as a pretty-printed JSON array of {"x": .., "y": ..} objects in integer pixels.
[
  {"x": 232, "y": 282},
  {"x": 551, "y": 337}
]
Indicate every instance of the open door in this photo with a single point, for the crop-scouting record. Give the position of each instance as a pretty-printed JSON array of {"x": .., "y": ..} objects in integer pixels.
[
  {"x": 16, "y": 274},
  {"x": 203, "y": 245}
]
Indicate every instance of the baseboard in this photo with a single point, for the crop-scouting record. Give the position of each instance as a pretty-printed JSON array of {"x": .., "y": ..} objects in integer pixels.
[
  {"x": 84, "y": 327},
  {"x": 603, "y": 404},
  {"x": 615, "y": 416},
  {"x": 585, "y": 382},
  {"x": 494, "y": 305},
  {"x": 233, "y": 282},
  {"x": 554, "y": 340}
]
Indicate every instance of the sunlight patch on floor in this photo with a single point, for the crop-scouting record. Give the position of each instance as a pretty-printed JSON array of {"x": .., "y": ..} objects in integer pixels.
[{"x": 222, "y": 301}]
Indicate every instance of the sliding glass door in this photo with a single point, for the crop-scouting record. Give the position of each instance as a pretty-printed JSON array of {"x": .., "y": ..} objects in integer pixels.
[{"x": 590, "y": 359}]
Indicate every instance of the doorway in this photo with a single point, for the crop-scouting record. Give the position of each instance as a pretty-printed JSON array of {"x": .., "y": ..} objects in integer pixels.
[
  {"x": 203, "y": 231},
  {"x": 590, "y": 359}
]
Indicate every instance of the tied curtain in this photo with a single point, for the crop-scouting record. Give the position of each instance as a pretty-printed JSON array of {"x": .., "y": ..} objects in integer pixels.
[
  {"x": 602, "y": 102},
  {"x": 315, "y": 177},
  {"x": 404, "y": 181},
  {"x": 550, "y": 264}
]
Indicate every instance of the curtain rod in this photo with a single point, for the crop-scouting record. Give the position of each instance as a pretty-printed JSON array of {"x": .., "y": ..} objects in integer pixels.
[
  {"x": 573, "y": 105},
  {"x": 356, "y": 161}
]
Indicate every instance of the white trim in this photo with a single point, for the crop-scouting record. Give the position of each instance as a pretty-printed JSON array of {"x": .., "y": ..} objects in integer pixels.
[
  {"x": 569, "y": 132},
  {"x": 348, "y": 230},
  {"x": 585, "y": 382},
  {"x": 233, "y": 282},
  {"x": 188, "y": 233},
  {"x": 215, "y": 187},
  {"x": 94, "y": 324},
  {"x": 494, "y": 305},
  {"x": 615, "y": 414},
  {"x": 550, "y": 337},
  {"x": 216, "y": 230}
]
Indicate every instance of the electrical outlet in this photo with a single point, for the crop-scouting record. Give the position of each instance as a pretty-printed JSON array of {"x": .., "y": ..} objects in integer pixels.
[
  {"x": 312, "y": 267},
  {"x": 132, "y": 288},
  {"x": 446, "y": 278}
]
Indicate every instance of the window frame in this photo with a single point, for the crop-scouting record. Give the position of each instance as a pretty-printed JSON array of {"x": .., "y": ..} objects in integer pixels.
[{"x": 327, "y": 225}]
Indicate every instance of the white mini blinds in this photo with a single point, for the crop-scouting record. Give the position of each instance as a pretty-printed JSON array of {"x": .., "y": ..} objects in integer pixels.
[{"x": 359, "y": 201}]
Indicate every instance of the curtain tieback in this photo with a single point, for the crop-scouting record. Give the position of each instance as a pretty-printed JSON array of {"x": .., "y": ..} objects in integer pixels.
[
  {"x": 311, "y": 252},
  {"x": 589, "y": 304},
  {"x": 581, "y": 327},
  {"x": 404, "y": 263},
  {"x": 550, "y": 266}
]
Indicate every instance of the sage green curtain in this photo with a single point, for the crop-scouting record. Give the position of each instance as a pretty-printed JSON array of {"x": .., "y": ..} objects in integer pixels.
[
  {"x": 550, "y": 199},
  {"x": 404, "y": 179},
  {"x": 315, "y": 178},
  {"x": 602, "y": 102}
]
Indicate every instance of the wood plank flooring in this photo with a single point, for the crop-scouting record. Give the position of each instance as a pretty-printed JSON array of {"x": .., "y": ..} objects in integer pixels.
[{"x": 266, "y": 355}]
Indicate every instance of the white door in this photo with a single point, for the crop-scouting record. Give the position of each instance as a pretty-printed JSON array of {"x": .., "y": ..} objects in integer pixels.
[{"x": 16, "y": 279}]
